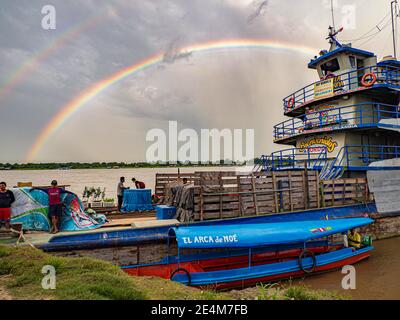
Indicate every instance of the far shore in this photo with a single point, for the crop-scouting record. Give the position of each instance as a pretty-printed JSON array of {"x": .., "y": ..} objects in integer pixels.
[{"x": 80, "y": 166}]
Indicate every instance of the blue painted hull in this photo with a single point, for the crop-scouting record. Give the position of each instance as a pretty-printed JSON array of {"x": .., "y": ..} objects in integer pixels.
[
  {"x": 228, "y": 277},
  {"x": 129, "y": 236}
]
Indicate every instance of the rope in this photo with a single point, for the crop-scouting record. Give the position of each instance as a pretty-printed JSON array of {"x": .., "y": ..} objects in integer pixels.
[{"x": 21, "y": 237}]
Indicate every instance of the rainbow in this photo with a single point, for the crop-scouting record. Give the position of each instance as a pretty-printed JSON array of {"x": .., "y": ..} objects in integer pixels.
[
  {"x": 32, "y": 63},
  {"x": 73, "y": 106}
]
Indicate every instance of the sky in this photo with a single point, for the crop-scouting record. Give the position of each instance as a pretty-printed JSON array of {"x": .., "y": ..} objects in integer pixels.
[{"x": 43, "y": 70}]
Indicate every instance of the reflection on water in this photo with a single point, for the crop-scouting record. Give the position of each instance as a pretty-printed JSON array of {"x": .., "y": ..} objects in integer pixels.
[{"x": 377, "y": 277}]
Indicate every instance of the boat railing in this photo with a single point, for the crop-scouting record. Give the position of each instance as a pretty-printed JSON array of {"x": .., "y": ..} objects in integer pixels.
[
  {"x": 295, "y": 158},
  {"x": 352, "y": 116},
  {"x": 354, "y": 157},
  {"x": 358, "y": 157},
  {"x": 364, "y": 155},
  {"x": 346, "y": 82}
]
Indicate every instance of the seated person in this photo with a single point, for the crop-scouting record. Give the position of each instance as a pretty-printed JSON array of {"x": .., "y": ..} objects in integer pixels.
[{"x": 354, "y": 239}]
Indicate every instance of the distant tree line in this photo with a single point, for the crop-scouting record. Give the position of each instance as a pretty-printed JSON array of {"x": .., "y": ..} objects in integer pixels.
[{"x": 104, "y": 165}]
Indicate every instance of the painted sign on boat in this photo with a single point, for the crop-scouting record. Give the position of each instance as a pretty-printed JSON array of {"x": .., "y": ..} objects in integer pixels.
[{"x": 232, "y": 238}]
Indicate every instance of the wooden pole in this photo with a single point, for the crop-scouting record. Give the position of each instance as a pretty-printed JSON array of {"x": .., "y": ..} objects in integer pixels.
[
  {"x": 290, "y": 191},
  {"x": 253, "y": 183},
  {"x": 275, "y": 193},
  {"x": 306, "y": 187}
]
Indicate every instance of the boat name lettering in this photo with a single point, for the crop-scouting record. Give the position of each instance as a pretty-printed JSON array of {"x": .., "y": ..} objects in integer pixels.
[{"x": 210, "y": 239}]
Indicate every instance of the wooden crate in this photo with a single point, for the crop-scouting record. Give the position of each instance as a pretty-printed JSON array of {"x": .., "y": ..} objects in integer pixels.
[
  {"x": 345, "y": 191},
  {"x": 230, "y": 194},
  {"x": 163, "y": 179},
  {"x": 222, "y": 195}
]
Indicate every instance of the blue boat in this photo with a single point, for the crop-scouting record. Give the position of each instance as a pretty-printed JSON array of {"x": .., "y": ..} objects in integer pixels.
[{"x": 240, "y": 255}]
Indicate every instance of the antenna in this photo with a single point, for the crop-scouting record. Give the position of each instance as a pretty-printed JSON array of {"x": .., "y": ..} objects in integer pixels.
[
  {"x": 394, "y": 10},
  {"x": 333, "y": 15}
]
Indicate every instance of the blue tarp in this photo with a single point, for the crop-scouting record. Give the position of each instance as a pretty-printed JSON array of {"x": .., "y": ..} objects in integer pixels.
[
  {"x": 137, "y": 200},
  {"x": 263, "y": 234}
]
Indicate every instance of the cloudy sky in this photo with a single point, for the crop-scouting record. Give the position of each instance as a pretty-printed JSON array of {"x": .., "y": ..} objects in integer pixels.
[{"x": 42, "y": 70}]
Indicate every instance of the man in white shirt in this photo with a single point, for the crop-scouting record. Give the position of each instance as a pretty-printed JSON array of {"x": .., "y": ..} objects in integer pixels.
[{"x": 120, "y": 192}]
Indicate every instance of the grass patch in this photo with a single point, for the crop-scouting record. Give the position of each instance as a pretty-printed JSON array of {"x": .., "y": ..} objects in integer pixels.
[
  {"x": 84, "y": 279},
  {"x": 285, "y": 291},
  {"x": 305, "y": 293}
]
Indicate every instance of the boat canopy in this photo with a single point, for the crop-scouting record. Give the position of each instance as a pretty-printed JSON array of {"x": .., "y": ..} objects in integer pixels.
[{"x": 261, "y": 234}]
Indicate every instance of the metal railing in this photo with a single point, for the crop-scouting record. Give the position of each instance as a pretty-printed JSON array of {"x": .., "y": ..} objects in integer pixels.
[
  {"x": 354, "y": 157},
  {"x": 357, "y": 115},
  {"x": 358, "y": 156},
  {"x": 295, "y": 159},
  {"x": 385, "y": 76}
]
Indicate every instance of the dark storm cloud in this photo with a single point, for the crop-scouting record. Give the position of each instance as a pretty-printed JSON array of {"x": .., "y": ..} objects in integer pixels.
[
  {"x": 174, "y": 53},
  {"x": 259, "y": 10}
]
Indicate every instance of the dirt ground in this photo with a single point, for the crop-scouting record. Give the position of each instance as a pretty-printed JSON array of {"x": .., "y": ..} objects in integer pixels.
[{"x": 4, "y": 295}]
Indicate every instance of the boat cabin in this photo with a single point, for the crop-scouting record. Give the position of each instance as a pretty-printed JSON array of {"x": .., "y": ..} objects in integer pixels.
[{"x": 340, "y": 60}]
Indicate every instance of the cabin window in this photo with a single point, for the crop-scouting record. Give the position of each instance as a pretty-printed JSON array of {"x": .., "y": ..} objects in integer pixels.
[
  {"x": 330, "y": 66},
  {"x": 353, "y": 62}
]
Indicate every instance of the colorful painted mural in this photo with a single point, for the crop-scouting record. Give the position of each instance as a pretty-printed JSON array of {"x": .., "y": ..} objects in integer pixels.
[{"x": 31, "y": 209}]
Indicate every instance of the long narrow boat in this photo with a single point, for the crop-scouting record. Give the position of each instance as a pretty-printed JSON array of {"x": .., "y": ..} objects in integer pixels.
[
  {"x": 128, "y": 236},
  {"x": 242, "y": 255}
]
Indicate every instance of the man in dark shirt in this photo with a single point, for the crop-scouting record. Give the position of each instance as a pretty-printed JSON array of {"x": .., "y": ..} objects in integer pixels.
[
  {"x": 55, "y": 204},
  {"x": 6, "y": 199},
  {"x": 139, "y": 184}
]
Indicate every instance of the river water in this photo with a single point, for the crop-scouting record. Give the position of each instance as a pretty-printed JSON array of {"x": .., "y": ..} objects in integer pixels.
[
  {"x": 104, "y": 178},
  {"x": 377, "y": 277}
]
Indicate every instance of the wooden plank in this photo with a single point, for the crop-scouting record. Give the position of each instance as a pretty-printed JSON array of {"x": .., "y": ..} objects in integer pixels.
[
  {"x": 239, "y": 195},
  {"x": 290, "y": 192},
  {"x": 255, "y": 199},
  {"x": 274, "y": 192}
]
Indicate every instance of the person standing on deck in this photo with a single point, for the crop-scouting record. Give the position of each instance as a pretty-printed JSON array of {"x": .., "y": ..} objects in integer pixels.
[
  {"x": 6, "y": 199},
  {"x": 354, "y": 239},
  {"x": 120, "y": 192},
  {"x": 55, "y": 204},
  {"x": 139, "y": 184}
]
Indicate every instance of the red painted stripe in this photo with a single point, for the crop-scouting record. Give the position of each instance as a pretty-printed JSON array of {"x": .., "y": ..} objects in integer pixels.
[{"x": 165, "y": 271}]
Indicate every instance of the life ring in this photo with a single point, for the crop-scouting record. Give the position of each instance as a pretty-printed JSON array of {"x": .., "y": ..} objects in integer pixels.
[
  {"x": 185, "y": 271},
  {"x": 302, "y": 255},
  {"x": 369, "y": 79},
  {"x": 291, "y": 103}
]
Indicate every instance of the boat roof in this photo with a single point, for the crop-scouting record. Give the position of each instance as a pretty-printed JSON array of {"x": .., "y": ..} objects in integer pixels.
[
  {"x": 392, "y": 62},
  {"x": 261, "y": 234},
  {"x": 344, "y": 49}
]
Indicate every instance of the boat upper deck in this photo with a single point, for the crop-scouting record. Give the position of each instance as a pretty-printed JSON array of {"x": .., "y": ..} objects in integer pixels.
[
  {"x": 355, "y": 116},
  {"x": 368, "y": 78}
]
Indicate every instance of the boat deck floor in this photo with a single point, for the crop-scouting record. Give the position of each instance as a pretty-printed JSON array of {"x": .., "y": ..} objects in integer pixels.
[
  {"x": 39, "y": 237},
  {"x": 125, "y": 222}
]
